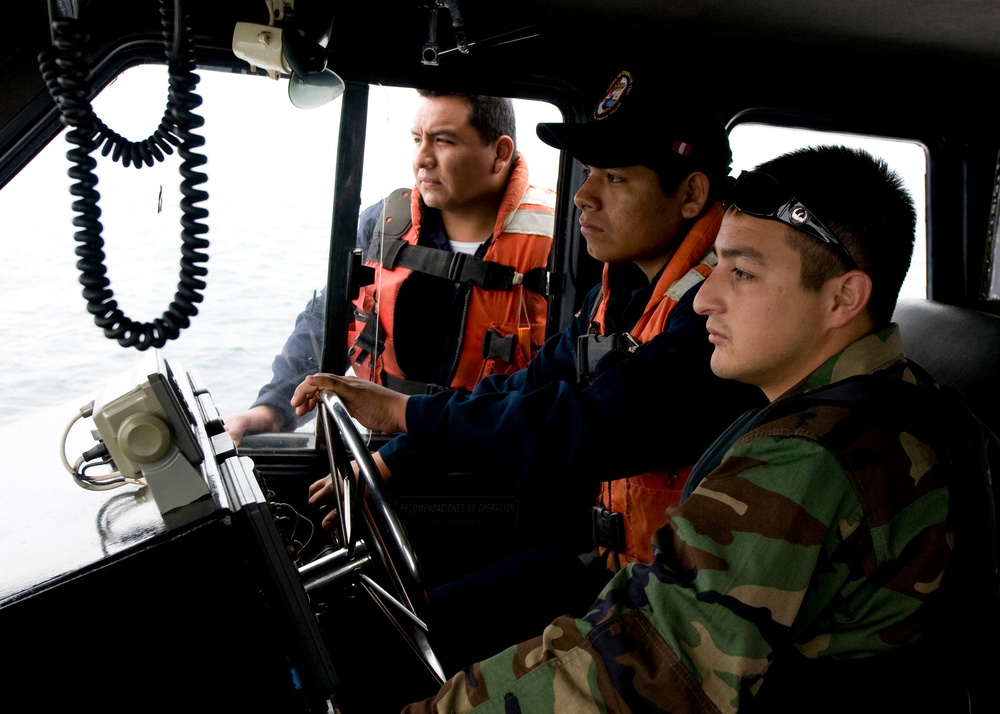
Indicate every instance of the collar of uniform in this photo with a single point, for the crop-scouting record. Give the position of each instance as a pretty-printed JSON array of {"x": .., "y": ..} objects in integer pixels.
[
  {"x": 432, "y": 230},
  {"x": 628, "y": 293},
  {"x": 432, "y": 234},
  {"x": 873, "y": 352}
]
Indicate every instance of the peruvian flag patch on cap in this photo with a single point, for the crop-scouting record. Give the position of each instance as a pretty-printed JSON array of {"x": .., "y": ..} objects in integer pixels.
[{"x": 682, "y": 148}]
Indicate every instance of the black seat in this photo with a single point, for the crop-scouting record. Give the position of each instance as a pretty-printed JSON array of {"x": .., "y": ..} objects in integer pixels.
[{"x": 960, "y": 347}]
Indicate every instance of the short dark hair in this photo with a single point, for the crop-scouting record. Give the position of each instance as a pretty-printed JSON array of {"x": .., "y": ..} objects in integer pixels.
[
  {"x": 492, "y": 117},
  {"x": 714, "y": 159},
  {"x": 863, "y": 202},
  {"x": 672, "y": 173}
]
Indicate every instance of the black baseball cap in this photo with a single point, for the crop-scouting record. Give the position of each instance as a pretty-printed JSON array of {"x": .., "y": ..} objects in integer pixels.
[{"x": 638, "y": 121}]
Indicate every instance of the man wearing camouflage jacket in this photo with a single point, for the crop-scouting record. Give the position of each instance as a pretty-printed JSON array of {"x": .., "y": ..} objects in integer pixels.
[{"x": 808, "y": 566}]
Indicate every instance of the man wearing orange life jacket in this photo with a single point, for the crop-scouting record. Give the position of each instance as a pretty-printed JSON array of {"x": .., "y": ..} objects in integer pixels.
[
  {"x": 460, "y": 267},
  {"x": 631, "y": 397},
  {"x": 501, "y": 294},
  {"x": 642, "y": 499}
]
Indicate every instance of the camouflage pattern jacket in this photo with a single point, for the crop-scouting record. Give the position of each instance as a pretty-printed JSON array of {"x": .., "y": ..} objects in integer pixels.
[{"x": 821, "y": 533}]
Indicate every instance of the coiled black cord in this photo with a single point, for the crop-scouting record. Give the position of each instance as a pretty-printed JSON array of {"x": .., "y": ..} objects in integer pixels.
[{"x": 65, "y": 71}]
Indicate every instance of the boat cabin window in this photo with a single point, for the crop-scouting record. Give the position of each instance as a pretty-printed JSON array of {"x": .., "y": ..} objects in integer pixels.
[
  {"x": 753, "y": 143},
  {"x": 270, "y": 183},
  {"x": 271, "y": 175}
]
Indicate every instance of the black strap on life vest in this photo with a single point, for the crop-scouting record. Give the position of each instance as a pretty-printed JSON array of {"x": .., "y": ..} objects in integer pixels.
[
  {"x": 388, "y": 248},
  {"x": 410, "y": 386},
  {"x": 366, "y": 348},
  {"x": 456, "y": 267},
  {"x": 395, "y": 220},
  {"x": 370, "y": 341}
]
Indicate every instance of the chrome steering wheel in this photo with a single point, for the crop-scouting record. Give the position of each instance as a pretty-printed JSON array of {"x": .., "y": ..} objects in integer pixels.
[{"x": 378, "y": 540}]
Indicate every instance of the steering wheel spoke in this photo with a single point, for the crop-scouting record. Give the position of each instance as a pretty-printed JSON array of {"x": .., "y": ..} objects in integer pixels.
[
  {"x": 343, "y": 481},
  {"x": 369, "y": 525}
]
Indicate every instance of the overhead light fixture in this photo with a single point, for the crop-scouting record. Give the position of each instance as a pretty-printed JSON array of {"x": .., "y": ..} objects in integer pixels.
[{"x": 287, "y": 51}]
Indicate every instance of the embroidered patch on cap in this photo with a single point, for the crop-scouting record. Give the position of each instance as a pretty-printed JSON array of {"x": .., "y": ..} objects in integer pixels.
[
  {"x": 682, "y": 148},
  {"x": 612, "y": 99}
]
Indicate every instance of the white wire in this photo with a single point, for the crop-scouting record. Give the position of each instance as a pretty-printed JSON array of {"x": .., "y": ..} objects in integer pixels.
[
  {"x": 102, "y": 483},
  {"x": 65, "y": 435}
]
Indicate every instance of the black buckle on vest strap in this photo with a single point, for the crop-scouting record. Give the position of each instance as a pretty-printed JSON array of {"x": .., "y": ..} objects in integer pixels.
[
  {"x": 497, "y": 276},
  {"x": 590, "y": 348},
  {"x": 366, "y": 344},
  {"x": 608, "y": 529},
  {"x": 497, "y": 346},
  {"x": 537, "y": 281},
  {"x": 358, "y": 274}
]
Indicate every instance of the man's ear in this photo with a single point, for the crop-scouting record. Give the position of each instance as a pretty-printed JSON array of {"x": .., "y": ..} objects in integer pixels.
[
  {"x": 850, "y": 294},
  {"x": 693, "y": 193},
  {"x": 504, "y": 147}
]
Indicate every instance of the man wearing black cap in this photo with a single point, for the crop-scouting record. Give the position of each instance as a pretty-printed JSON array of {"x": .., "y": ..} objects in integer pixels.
[{"x": 614, "y": 406}]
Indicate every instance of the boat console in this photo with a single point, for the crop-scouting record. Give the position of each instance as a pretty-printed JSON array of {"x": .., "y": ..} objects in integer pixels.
[{"x": 163, "y": 582}]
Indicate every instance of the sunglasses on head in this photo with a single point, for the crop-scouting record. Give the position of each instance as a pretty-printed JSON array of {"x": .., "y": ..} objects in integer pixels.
[{"x": 759, "y": 195}]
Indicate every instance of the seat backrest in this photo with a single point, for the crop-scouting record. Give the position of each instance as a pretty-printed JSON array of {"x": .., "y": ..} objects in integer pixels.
[{"x": 959, "y": 347}]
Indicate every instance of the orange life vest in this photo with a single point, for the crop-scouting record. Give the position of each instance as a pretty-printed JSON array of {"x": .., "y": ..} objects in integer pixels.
[
  {"x": 505, "y": 317},
  {"x": 643, "y": 498}
]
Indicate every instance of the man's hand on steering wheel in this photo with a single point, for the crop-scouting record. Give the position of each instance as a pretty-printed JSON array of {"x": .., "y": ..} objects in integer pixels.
[
  {"x": 367, "y": 519},
  {"x": 375, "y": 406},
  {"x": 321, "y": 491}
]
